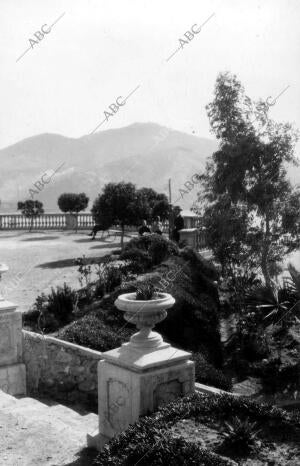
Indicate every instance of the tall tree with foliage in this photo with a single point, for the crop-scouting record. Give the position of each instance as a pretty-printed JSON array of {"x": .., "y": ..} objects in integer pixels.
[
  {"x": 116, "y": 205},
  {"x": 31, "y": 209},
  {"x": 250, "y": 203},
  {"x": 152, "y": 204}
]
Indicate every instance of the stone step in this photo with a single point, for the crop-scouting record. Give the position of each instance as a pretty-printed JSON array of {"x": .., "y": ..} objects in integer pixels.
[
  {"x": 6, "y": 400},
  {"x": 34, "y": 433},
  {"x": 72, "y": 418},
  {"x": 59, "y": 416}
]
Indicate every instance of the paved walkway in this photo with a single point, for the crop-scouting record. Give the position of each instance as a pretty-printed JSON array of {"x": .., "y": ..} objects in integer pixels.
[{"x": 43, "y": 259}]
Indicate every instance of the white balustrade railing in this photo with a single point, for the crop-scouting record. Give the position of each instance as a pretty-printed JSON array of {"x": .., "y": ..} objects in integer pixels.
[{"x": 59, "y": 221}]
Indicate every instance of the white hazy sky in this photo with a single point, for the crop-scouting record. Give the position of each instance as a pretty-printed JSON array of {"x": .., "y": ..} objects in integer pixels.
[{"x": 102, "y": 49}]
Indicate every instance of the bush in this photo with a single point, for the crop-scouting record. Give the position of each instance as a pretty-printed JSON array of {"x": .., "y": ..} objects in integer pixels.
[
  {"x": 239, "y": 437},
  {"x": 149, "y": 250},
  {"x": 193, "y": 322},
  {"x": 174, "y": 451},
  {"x": 277, "y": 377},
  {"x": 61, "y": 303},
  {"x": 151, "y": 435},
  {"x": 139, "y": 260},
  {"x": 91, "y": 332},
  {"x": 52, "y": 311},
  {"x": 208, "y": 375}
]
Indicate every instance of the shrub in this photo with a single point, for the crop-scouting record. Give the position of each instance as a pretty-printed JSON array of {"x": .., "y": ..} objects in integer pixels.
[
  {"x": 207, "y": 374},
  {"x": 145, "y": 291},
  {"x": 91, "y": 332},
  {"x": 153, "y": 432},
  {"x": 139, "y": 260},
  {"x": 61, "y": 303},
  {"x": 277, "y": 377},
  {"x": 113, "y": 277},
  {"x": 239, "y": 437},
  {"x": 155, "y": 249},
  {"x": 174, "y": 451},
  {"x": 193, "y": 322},
  {"x": 52, "y": 311}
]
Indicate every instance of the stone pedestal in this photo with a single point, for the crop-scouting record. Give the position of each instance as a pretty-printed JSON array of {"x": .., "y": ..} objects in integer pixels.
[
  {"x": 71, "y": 222},
  {"x": 12, "y": 369},
  {"x": 133, "y": 383},
  {"x": 142, "y": 375}
]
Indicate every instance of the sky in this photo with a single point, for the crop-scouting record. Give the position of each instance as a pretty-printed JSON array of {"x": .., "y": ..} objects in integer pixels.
[{"x": 102, "y": 50}]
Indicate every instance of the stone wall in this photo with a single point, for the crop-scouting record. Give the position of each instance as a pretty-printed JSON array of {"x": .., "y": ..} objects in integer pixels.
[{"x": 65, "y": 371}]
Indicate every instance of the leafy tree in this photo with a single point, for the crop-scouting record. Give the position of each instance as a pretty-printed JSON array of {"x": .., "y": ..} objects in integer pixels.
[
  {"x": 72, "y": 202},
  {"x": 151, "y": 204},
  {"x": 31, "y": 209},
  {"x": 117, "y": 205},
  {"x": 246, "y": 177}
]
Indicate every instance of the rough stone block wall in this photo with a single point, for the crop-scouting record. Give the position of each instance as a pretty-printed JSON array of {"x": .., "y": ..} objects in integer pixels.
[{"x": 61, "y": 370}]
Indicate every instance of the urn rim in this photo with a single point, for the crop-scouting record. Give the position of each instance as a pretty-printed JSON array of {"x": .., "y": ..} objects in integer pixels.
[{"x": 127, "y": 302}]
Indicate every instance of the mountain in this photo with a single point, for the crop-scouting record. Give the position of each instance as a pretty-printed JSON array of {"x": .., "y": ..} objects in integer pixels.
[{"x": 146, "y": 154}]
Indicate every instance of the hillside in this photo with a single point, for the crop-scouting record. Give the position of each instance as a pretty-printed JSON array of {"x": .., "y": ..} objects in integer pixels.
[{"x": 145, "y": 153}]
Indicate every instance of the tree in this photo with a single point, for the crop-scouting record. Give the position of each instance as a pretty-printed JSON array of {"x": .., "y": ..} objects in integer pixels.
[
  {"x": 151, "y": 204},
  {"x": 117, "y": 205},
  {"x": 73, "y": 203},
  {"x": 248, "y": 174},
  {"x": 31, "y": 209}
]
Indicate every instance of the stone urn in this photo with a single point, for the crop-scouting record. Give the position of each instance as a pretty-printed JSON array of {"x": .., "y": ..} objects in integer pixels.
[{"x": 145, "y": 314}]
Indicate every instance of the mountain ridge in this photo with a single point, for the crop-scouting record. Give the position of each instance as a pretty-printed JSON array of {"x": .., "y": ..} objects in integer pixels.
[{"x": 146, "y": 154}]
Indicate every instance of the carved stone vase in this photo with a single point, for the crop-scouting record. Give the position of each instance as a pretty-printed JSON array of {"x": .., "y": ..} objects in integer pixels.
[{"x": 145, "y": 315}]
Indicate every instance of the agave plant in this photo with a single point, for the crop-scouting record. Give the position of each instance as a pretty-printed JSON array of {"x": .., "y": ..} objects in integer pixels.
[
  {"x": 146, "y": 291},
  {"x": 240, "y": 436},
  {"x": 293, "y": 283},
  {"x": 277, "y": 303}
]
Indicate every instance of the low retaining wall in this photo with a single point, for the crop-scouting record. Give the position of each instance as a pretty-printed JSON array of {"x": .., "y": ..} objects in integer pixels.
[{"x": 66, "y": 371}]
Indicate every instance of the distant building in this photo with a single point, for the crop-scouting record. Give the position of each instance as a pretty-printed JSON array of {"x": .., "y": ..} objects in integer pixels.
[{"x": 191, "y": 219}]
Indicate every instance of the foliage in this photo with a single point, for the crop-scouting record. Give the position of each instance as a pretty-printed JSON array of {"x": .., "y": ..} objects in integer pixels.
[
  {"x": 61, "y": 302},
  {"x": 150, "y": 204},
  {"x": 207, "y": 374},
  {"x": 116, "y": 205},
  {"x": 152, "y": 431},
  {"x": 246, "y": 178},
  {"x": 110, "y": 275},
  {"x": 240, "y": 437},
  {"x": 193, "y": 322},
  {"x": 145, "y": 291},
  {"x": 154, "y": 249},
  {"x": 122, "y": 204},
  {"x": 167, "y": 450},
  {"x": 234, "y": 287},
  {"x": 277, "y": 303},
  {"x": 72, "y": 202},
  {"x": 139, "y": 261},
  {"x": 53, "y": 310},
  {"x": 90, "y": 331},
  {"x": 278, "y": 377},
  {"x": 31, "y": 209},
  {"x": 266, "y": 343}
]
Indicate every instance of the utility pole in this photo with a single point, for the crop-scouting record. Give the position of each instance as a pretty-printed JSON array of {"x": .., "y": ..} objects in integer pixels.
[
  {"x": 170, "y": 192},
  {"x": 170, "y": 210}
]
